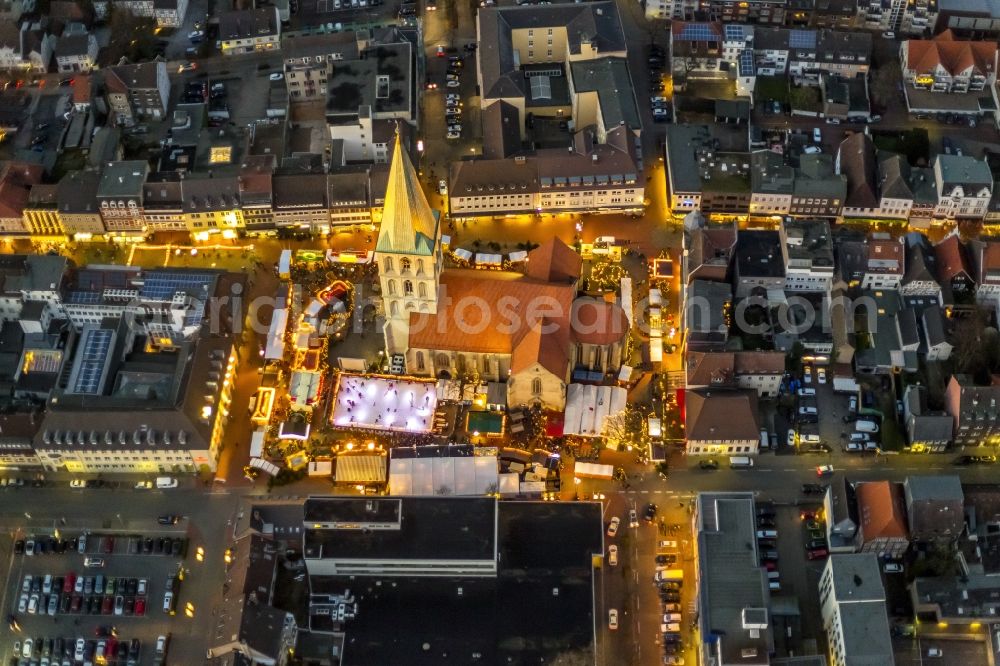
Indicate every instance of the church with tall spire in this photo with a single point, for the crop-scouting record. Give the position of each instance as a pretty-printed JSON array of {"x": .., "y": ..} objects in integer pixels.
[
  {"x": 494, "y": 326},
  {"x": 408, "y": 251}
]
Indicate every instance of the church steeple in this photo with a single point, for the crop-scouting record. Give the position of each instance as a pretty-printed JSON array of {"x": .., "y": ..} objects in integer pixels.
[{"x": 409, "y": 225}]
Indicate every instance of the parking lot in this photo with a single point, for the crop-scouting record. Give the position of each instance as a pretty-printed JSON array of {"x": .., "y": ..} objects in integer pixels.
[
  {"x": 108, "y": 591},
  {"x": 798, "y": 580}
]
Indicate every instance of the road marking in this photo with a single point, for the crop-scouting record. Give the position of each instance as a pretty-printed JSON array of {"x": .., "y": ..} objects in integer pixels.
[{"x": 789, "y": 470}]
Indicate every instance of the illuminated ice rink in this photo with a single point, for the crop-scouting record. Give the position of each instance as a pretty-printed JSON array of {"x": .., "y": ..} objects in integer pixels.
[{"x": 384, "y": 403}]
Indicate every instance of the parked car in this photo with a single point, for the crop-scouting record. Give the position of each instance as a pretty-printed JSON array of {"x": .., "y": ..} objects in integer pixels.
[
  {"x": 613, "y": 526},
  {"x": 613, "y": 555},
  {"x": 892, "y": 567}
]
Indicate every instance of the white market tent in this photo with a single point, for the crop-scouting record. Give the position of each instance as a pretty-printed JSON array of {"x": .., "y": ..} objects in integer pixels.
[
  {"x": 257, "y": 443},
  {"x": 462, "y": 475},
  {"x": 303, "y": 388},
  {"x": 264, "y": 466},
  {"x": 484, "y": 259},
  {"x": 627, "y": 299},
  {"x": 276, "y": 335},
  {"x": 519, "y": 255},
  {"x": 465, "y": 255},
  {"x": 588, "y": 406},
  {"x": 285, "y": 264},
  {"x": 592, "y": 470},
  {"x": 656, "y": 350},
  {"x": 509, "y": 484}
]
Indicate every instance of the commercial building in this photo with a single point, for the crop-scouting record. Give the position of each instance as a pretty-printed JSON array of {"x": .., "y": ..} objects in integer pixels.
[
  {"x": 761, "y": 371},
  {"x": 853, "y": 606},
  {"x": 700, "y": 176},
  {"x": 509, "y": 581},
  {"x": 143, "y": 399},
  {"x": 590, "y": 177},
  {"x": 731, "y": 588}
]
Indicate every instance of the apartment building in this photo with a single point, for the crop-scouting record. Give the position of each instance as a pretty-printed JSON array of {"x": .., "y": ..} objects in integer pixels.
[
  {"x": 136, "y": 92},
  {"x": 964, "y": 187},
  {"x": 16, "y": 181},
  {"x": 974, "y": 410},
  {"x": 722, "y": 422},
  {"x": 807, "y": 250},
  {"x": 946, "y": 65},
  {"x": 76, "y": 52},
  {"x": 119, "y": 196},
  {"x": 884, "y": 263},
  {"x": 882, "y": 510},
  {"x": 249, "y": 30},
  {"x": 308, "y": 61},
  {"x": 853, "y": 607}
]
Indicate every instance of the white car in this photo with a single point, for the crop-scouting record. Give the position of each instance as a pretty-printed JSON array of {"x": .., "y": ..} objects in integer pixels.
[
  {"x": 453, "y": 135},
  {"x": 613, "y": 526},
  {"x": 824, "y": 470},
  {"x": 276, "y": 76},
  {"x": 791, "y": 437},
  {"x": 932, "y": 652},
  {"x": 633, "y": 518},
  {"x": 453, "y": 84},
  {"x": 817, "y": 135},
  {"x": 454, "y": 127},
  {"x": 28, "y": 649},
  {"x": 612, "y": 619},
  {"x": 613, "y": 555},
  {"x": 892, "y": 567},
  {"x": 452, "y": 97},
  {"x": 821, "y": 375},
  {"x": 443, "y": 187},
  {"x": 196, "y": 34},
  {"x": 33, "y": 604},
  {"x": 77, "y": 483},
  {"x": 452, "y": 103},
  {"x": 22, "y": 604},
  {"x": 833, "y": 121},
  {"x": 657, "y": 100},
  {"x": 26, "y": 585},
  {"x": 667, "y": 545},
  {"x": 142, "y": 586},
  {"x": 889, "y": 34},
  {"x": 81, "y": 647}
]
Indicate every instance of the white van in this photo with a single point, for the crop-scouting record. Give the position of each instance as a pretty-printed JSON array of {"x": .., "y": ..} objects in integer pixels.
[
  {"x": 804, "y": 392},
  {"x": 740, "y": 462},
  {"x": 765, "y": 441},
  {"x": 670, "y": 627},
  {"x": 166, "y": 482},
  {"x": 93, "y": 562},
  {"x": 811, "y": 438},
  {"x": 862, "y": 425}
]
